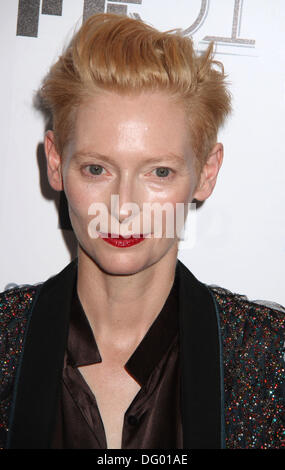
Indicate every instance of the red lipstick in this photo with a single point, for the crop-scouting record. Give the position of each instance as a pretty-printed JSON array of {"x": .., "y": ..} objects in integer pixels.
[{"x": 122, "y": 242}]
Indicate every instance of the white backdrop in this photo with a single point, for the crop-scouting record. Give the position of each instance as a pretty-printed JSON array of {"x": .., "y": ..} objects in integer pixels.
[{"x": 241, "y": 228}]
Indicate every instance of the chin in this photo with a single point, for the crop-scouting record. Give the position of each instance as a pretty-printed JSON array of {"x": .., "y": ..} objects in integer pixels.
[{"x": 120, "y": 266}]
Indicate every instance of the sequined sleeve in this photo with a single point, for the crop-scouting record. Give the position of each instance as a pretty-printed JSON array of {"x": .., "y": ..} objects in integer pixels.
[
  {"x": 253, "y": 338},
  {"x": 15, "y": 305}
]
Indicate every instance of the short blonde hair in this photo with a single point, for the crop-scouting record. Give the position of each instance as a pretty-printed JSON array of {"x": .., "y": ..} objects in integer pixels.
[{"x": 112, "y": 52}]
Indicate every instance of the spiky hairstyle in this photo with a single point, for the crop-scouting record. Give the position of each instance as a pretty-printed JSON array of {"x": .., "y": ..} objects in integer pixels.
[{"x": 122, "y": 54}]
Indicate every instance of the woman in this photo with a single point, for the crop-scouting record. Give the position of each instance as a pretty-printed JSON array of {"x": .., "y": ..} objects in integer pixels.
[{"x": 125, "y": 348}]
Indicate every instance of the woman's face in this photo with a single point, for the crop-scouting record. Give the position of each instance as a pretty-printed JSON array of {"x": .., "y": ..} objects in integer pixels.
[{"x": 132, "y": 149}]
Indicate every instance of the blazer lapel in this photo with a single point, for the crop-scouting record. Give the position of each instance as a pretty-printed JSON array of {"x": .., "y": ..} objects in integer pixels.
[
  {"x": 38, "y": 380},
  {"x": 200, "y": 362}
]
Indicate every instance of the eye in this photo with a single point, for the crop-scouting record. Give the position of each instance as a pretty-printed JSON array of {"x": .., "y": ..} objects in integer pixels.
[
  {"x": 95, "y": 170},
  {"x": 162, "y": 172}
]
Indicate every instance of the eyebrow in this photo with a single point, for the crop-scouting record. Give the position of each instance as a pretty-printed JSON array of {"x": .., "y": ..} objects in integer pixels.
[{"x": 169, "y": 158}]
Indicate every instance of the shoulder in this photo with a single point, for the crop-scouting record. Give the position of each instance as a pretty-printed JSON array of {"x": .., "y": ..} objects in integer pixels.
[
  {"x": 245, "y": 323},
  {"x": 15, "y": 303},
  {"x": 238, "y": 309},
  {"x": 15, "y": 307}
]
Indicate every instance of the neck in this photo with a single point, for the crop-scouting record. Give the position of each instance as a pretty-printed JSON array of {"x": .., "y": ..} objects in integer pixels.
[{"x": 120, "y": 309}]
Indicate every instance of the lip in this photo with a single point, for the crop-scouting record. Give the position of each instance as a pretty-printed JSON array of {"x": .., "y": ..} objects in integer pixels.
[{"x": 121, "y": 242}]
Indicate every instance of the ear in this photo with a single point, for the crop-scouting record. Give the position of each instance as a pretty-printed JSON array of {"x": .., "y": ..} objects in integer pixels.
[
  {"x": 209, "y": 173},
  {"x": 53, "y": 162}
]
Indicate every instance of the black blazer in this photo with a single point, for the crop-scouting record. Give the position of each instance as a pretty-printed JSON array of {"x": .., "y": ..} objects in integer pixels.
[
  {"x": 39, "y": 374},
  {"x": 232, "y": 364}
]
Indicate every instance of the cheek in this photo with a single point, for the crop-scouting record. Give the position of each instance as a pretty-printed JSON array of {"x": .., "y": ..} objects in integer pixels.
[
  {"x": 171, "y": 216},
  {"x": 77, "y": 197},
  {"x": 80, "y": 194},
  {"x": 181, "y": 192}
]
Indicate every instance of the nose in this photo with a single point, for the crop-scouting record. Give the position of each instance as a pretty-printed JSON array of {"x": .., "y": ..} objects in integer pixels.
[{"x": 128, "y": 197}]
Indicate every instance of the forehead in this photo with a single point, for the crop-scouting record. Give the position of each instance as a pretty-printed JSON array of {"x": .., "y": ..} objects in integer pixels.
[{"x": 148, "y": 119}]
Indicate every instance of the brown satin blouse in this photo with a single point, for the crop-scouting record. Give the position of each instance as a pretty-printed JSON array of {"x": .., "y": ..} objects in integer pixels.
[{"x": 153, "y": 419}]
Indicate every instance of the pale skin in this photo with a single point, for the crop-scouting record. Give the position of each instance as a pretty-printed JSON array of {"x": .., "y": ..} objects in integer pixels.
[{"x": 119, "y": 134}]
